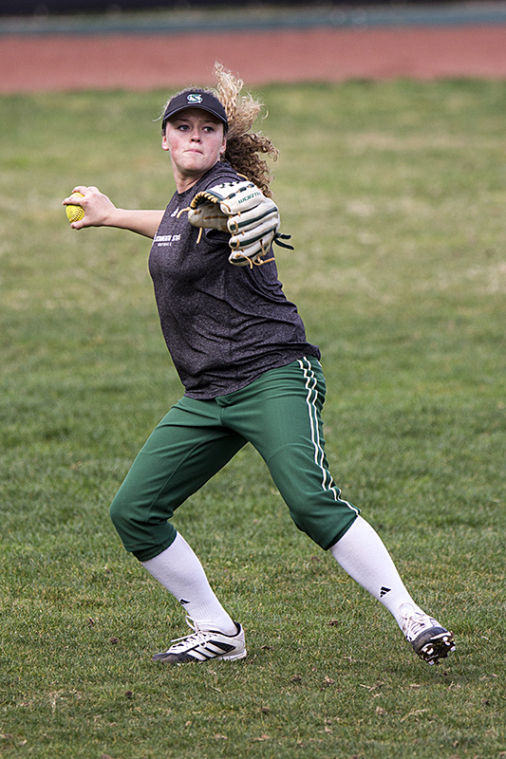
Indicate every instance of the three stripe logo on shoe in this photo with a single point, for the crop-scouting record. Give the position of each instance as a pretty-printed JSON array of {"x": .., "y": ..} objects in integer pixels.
[
  {"x": 202, "y": 645},
  {"x": 384, "y": 591},
  {"x": 210, "y": 650}
]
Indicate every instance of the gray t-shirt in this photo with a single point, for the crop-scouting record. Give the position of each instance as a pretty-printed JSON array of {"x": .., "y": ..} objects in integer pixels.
[{"x": 224, "y": 325}]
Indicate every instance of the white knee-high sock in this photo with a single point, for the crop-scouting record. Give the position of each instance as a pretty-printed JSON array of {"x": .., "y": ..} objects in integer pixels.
[
  {"x": 362, "y": 554},
  {"x": 179, "y": 571}
]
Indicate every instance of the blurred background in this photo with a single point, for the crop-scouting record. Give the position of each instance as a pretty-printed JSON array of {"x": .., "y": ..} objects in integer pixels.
[{"x": 27, "y": 7}]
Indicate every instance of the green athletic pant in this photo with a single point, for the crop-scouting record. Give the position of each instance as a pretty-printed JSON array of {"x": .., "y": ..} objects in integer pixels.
[{"x": 279, "y": 413}]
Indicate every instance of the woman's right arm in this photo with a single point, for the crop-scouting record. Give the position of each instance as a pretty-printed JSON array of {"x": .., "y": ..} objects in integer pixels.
[{"x": 100, "y": 211}]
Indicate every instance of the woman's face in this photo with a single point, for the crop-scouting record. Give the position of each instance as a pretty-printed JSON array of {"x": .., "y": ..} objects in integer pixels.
[{"x": 195, "y": 141}]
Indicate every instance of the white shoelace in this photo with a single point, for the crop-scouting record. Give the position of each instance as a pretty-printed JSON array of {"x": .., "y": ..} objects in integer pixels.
[
  {"x": 416, "y": 624},
  {"x": 197, "y": 636}
]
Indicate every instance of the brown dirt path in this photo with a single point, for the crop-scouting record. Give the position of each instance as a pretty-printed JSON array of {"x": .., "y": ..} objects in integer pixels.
[{"x": 133, "y": 61}]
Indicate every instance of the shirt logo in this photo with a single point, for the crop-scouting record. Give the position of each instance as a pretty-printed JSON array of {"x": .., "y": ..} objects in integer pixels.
[
  {"x": 165, "y": 241},
  {"x": 194, "y": 97}
]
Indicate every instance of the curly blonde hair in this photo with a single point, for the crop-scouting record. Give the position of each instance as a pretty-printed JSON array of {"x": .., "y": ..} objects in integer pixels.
[{"x": 244, "y": 148}]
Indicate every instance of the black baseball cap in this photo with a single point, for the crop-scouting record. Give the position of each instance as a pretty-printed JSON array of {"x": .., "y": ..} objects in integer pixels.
[{"x": 206, "y": 101}]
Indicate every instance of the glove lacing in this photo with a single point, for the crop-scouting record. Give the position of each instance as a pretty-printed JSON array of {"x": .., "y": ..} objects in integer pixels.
[{"x": 258, "y": 260}]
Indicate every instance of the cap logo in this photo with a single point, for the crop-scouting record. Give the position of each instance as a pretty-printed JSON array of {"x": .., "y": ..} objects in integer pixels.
[{"x": 194, "y": 97}]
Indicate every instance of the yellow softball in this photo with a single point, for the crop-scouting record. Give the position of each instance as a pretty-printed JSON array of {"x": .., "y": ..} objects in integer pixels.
[{"x": 75, "y": 212}]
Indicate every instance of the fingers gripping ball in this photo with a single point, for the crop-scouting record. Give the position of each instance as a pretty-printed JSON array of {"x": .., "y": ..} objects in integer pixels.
[{"x": 75, "y": 212}]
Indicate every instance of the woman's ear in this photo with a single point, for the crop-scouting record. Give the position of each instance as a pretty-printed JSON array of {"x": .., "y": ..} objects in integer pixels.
[{"x": 165, "y": 144}]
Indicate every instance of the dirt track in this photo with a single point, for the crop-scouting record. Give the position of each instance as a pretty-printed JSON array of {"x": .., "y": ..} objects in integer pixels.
[{"x": 133, "y": 61}]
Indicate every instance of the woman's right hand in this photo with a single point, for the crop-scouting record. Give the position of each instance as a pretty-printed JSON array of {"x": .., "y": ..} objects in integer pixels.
[
  {"x": 98, "y": 208},
  {"x": 100, "y": 211}
]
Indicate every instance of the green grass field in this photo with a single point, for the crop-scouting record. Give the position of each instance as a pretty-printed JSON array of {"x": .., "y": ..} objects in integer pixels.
[{"x": 394, "y": 194}]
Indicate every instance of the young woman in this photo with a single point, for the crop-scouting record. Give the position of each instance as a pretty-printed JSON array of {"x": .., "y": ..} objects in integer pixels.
[{"x": 249, "y": 375}]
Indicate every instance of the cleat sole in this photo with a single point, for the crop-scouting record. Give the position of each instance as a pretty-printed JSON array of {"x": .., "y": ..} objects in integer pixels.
[{"x": 436, "y": 648}]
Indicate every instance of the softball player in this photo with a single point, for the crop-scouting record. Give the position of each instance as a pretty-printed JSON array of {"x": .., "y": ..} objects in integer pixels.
[{"x": 248, "y": 372}]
